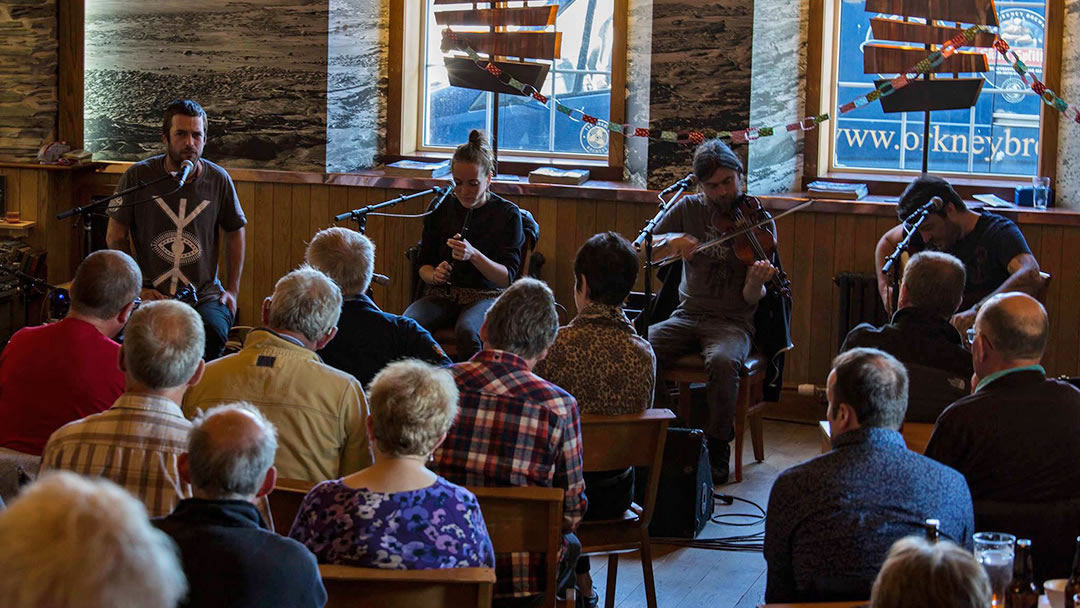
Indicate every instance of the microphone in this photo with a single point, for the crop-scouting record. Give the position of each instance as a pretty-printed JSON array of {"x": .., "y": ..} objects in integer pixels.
[
  {"x": 186, "y": 168},
  {"x": 685, "y": 182},
  {"x": 443, "y": 192}
]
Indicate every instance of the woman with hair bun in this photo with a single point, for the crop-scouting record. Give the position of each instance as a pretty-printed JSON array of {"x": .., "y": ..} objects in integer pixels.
[{"x": 470, "y": 249}]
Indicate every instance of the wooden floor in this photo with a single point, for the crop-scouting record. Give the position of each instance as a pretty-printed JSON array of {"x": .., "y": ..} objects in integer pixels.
[{"x": 699, "y": 578}]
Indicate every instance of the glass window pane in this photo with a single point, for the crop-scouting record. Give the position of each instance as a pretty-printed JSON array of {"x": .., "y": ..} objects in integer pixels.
[
  {"x": 580, "y": 78},
  {"x": 998, "y": 136}
]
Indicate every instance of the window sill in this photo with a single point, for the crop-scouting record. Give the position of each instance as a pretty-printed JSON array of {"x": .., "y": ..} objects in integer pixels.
[
  {"x": 510, "y": 164},
  {"x": 893, "y": 184}
]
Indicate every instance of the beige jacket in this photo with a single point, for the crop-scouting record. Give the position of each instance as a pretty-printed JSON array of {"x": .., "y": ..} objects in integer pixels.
[{"x": 319, "y": 412}]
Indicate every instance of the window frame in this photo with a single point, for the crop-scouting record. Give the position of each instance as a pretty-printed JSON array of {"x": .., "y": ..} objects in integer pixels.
[
  {"x": 405, "y": 96},
  {"x": 824, "y": 16}
]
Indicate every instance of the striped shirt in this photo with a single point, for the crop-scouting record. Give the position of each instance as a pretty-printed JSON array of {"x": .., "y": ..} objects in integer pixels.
[
  {"x": 514, "y": 429},
  {"x": 135, "y": 443}
]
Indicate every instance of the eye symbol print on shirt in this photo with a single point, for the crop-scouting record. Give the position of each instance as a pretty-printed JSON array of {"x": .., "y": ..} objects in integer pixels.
[{"x": 177, "y": 246}]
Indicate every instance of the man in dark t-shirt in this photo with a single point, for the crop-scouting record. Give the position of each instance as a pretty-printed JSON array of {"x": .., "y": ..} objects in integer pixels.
[
  {"x": 367, "y": 338},
  {"x": 995, "y": 255},
  {"x": 173, "y": 232}
]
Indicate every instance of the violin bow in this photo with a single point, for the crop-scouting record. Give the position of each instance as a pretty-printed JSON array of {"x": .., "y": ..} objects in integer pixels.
[{"x": 727, "y": 237}]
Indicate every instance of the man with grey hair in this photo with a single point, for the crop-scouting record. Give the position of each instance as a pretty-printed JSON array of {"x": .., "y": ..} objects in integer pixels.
[
  {"x": 319, "y": 411},
  {"x": 53, "y": 374},
  {"x": 74, "y": 542},
  {"x": 921, "y": 336},
  {"x": 367, "y": 337},
  {"x": 515, "y": 428},
  {"x": 229, "y": 554},
  {"x": 138, "y": 441},
  {"x": 832, "y": 519}
]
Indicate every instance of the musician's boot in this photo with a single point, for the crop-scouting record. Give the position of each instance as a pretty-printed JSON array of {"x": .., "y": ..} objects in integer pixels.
[{"x": 719, "y": 455}]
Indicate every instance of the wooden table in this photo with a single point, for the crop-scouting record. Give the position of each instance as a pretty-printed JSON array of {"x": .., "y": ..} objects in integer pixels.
[{"x": 916, "y": 435}]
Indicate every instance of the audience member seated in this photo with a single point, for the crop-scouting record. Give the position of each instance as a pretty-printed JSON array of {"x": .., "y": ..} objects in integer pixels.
[
  {"x": 367, "y": 338},
  {"x": 832, "y": 519},
  {"x": 600, "y": 360},
  {"x": 138, "y": 441},
  {"x": 73, "y": 542},
  {"x": 517, "y": 429},
  {"x": 53, "y": 374},
  {"x": 1014, "y": 438},
  {"x": 917, "y": 574},
  {"x": 397, "y": 514},
  {"x": 229, "y": 554},
  {"x": 921, "y": 336},
  {"x": 318, "y": 411}
]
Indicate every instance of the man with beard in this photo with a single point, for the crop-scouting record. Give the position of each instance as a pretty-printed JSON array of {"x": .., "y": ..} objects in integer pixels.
[
  {"x": 718, "y": 294},
  {"x": 995, "y": 255},
  {"x": 173, "y": 232}
]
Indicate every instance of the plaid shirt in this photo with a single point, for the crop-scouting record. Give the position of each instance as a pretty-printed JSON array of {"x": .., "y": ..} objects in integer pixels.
[
  {"x": 514, "y": 429},
  {"x": 135, "y": 443}
]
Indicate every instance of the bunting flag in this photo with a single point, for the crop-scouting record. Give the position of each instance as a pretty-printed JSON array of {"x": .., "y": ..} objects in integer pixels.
[{"x": 750, "y": 134}]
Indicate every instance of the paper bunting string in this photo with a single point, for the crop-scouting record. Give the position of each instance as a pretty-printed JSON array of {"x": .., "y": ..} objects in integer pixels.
[{"x": 932, "y": 60}]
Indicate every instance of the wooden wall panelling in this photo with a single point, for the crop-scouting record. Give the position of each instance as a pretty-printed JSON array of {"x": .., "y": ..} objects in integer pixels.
[
  {"x": 822, "y": 332},
  {"x": 1064, "y": 293},
  {"x": 1049, "y": 253},
  {"x": 300, "y": 225},
  {"x": 262, "y": 234},
  {"x": 245, "y": 191},
  {"x": 801, "y": 273}
]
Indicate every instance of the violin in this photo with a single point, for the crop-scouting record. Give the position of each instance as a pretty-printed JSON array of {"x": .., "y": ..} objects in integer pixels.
[{"x": 752, "y": 240}]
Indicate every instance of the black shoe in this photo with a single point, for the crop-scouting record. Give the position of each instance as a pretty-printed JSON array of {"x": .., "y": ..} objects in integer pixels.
[
  {"x": 719, "y": 455},
  {"x": 591, "y": 601}
]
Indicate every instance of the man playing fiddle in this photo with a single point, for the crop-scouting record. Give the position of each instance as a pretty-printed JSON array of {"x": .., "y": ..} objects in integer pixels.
[{"x": 718, "y": 293}]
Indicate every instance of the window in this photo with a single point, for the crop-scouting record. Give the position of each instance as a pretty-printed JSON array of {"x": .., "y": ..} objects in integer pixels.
[
  {"x": 999, "y": 136},
  {"x": 581, "y": 78}
]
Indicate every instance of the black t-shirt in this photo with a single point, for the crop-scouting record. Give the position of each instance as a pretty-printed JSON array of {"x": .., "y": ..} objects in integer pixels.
[
  {"x": 494, "y": 229},
  {"x": 986, "y": 252}
]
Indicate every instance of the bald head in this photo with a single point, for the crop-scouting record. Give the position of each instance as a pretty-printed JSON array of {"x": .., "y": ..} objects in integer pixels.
[
  {"x": 1016, "y": 326},
  {"x": 230, "y": 449}
]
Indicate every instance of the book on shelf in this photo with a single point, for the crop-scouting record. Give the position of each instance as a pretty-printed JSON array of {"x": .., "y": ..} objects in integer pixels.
[
  {"x": 551, "y": 175},
  {"x": 417, "y": 168},
  {"x": 852, "y": 192}
]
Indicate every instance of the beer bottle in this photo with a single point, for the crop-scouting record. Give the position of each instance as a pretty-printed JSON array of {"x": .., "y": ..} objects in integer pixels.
[
  {"x": 1072, "y": 587},
  {"x": 933, "y": 531},
  {"x": 1022, "y": 592}
]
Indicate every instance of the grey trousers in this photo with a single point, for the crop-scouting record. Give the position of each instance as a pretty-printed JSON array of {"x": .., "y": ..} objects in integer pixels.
[{"x": 723, "y": 344}]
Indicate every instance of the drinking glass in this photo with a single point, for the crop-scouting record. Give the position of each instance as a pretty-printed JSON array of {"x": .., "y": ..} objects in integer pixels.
[
  {"x": 994, "y": 550},
  {"x": 1041, "y": 194}
]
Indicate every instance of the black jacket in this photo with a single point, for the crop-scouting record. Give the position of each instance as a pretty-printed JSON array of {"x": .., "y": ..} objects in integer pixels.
[{"x": 232, "y": 560}]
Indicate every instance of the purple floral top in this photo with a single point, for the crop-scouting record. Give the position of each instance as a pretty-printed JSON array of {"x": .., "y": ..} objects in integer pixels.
[{"x": 439, "y": 526}]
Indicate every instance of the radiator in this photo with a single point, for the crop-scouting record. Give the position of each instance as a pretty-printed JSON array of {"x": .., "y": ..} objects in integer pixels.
[{"x": 859, "y": 302}]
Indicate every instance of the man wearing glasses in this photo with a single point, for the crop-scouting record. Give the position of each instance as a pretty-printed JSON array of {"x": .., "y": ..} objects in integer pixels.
[{"x": 994, "y": 252}]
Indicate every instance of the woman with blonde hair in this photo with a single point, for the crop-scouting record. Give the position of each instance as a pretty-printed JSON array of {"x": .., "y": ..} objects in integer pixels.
[
  {"x": 470, "y": 249},
  {"x": 396, "y": 513},
  {"x": 917, "y": 574}
]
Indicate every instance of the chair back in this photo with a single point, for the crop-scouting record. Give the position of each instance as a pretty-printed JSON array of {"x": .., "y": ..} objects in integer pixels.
[
  {"x": 525, "y": 519},
  {"x": 1051, "y": 526},
  {"x": 349, "y": 587},
  {"x": 285, "y": 503},
  {"x": 619, "y": 442}
]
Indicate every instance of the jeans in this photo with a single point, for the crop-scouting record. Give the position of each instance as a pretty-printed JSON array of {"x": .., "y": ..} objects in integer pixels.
[
  {"x": 217, "y": 321},
  {"x": 434, "y": 313},
  {"x": 724, "y": 345}
]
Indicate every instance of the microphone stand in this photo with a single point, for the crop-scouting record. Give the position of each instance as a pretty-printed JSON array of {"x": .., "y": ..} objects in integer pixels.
[
  {"x": 646, "y": 236},
  {"x": 360, "y": 215},
  {"x": 28, "y": 284},
  {"x": 87, "y": 211},
  {"x": 892, "y": 266}
]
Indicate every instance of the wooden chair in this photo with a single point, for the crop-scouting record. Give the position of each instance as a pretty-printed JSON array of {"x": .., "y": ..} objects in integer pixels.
[
  {"x": 749, "y": 403},
  {"x": 613, "y": 443},
  {"x": 349, "y": 587},
  {"x": 525, "y": 519},
  {"x": 285, "y": 503}
]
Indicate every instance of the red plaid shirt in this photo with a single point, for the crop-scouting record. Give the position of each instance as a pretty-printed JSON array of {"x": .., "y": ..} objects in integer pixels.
[{"x": 514, "y": 429}]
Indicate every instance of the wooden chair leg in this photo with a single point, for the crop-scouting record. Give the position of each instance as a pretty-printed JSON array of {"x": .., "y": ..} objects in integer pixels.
[
  {"x": 646, "y": 570},
  {"x": 741, "y": 405},
  {"x": 612, "y": 575},
  {"x": 757, "y": 437}
]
